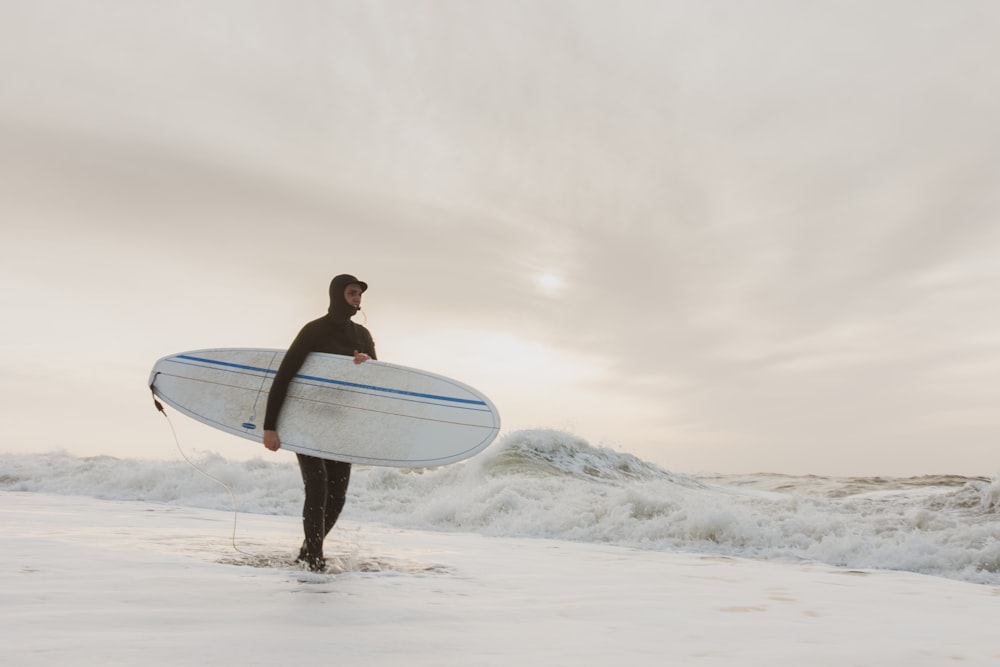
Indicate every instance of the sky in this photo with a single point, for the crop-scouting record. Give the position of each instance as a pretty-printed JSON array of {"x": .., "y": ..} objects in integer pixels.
[{"x": 723, "y": 236}]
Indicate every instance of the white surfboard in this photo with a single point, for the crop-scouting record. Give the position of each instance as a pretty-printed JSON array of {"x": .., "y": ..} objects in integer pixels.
[{"x": 373, "y": 413}]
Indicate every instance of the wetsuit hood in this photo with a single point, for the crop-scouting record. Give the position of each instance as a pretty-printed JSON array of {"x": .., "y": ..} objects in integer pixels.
[{"x": 339, "y": 308}]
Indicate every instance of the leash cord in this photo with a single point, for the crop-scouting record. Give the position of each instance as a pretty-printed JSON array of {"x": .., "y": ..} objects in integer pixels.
[{"x": 177, "y": 442}]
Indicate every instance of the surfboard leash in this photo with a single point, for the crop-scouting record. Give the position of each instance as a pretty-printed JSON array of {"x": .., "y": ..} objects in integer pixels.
[{"x": 177, "y": 442}]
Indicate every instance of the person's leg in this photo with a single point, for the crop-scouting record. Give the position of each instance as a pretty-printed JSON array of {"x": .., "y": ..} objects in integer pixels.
[
  {"x": 314, "y": 477},
  {"x": 338, "y": 477}
]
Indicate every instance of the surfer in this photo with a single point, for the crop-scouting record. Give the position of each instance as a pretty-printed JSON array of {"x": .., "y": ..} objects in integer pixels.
[{"x": 325, "y": 480}]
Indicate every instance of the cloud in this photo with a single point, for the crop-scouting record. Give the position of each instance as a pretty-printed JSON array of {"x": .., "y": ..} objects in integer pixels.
[{"x": 774, "y": 224}]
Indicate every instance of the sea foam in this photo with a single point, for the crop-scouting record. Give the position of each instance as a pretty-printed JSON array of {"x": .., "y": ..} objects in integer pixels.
[{"x": 551, "y": 484}]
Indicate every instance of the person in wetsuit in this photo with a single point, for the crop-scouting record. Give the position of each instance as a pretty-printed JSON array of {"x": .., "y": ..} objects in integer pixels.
[{"x": 325, "y": 480}]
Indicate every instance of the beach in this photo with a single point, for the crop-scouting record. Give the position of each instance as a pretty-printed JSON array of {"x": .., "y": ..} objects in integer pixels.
[{"x": 114, "y": 580}]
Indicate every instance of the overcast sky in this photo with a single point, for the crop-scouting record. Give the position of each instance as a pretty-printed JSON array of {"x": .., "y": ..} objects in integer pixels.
[{"x": 724, "y": 236}]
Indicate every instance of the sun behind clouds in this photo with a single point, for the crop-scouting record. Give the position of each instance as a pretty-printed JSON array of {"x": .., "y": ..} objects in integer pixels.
[{"x": 549, "y": 283}]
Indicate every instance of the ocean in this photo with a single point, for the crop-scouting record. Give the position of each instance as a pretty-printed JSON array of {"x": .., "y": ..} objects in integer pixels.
[{"x": 551, "y": 485}]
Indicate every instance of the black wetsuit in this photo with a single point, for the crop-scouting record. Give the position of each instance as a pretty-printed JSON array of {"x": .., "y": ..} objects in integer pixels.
[{"x": 325, "y": 481}]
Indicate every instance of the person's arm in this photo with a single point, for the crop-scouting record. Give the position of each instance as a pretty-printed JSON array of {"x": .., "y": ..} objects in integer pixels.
[
  {"x": 290, "y": 365},
  {"x": 367, "y": 350}
]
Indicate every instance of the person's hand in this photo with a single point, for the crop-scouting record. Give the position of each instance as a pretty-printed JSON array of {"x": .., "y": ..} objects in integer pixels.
[
  {"x": 360, "y": 357},
  {"x": 272, "y": 441}
]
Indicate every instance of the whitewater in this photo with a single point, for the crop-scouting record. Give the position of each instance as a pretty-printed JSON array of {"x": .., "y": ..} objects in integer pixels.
[
  {"x": 553, "y": 485},
  {"x": 544, "y": 549}
]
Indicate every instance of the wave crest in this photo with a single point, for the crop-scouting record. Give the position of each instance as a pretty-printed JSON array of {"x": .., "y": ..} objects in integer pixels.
[{"x": 543, "y": 452}]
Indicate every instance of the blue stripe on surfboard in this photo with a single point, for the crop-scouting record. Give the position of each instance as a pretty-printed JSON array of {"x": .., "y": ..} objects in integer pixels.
[
  {"x": 253, "y": 371},
  {"x": 353, "y": 385}
]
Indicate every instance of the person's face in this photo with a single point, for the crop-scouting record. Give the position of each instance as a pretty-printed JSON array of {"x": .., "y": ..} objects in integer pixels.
[{"x": 352, "y": 294}]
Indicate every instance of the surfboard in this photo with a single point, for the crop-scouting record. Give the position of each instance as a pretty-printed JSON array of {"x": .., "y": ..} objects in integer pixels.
[{"x": 374, "y": 413}]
